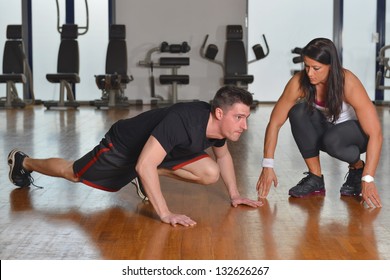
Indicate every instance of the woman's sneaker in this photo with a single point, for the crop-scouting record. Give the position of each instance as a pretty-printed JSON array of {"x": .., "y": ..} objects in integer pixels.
[
  {"x": 310, "y": 185},
  {"x": 353, "y": 184},
  {"x": 17, "y": 174},
  {"x": 140, "y": 189}
]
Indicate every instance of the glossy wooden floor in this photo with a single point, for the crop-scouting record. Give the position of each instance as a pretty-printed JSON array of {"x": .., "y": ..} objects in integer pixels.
[{"x": 72, "y": 221}]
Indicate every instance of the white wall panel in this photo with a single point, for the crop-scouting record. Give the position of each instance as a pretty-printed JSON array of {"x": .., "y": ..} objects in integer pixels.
[
  {"x": 358, "y": 45},
  {"x": 93, "y": 46},
  {"x": 286, "y": 24}
]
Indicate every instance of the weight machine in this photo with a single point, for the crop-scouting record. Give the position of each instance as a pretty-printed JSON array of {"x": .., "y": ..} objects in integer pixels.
[
  {"x": 13, "y": 67},
  {"x": 235, "y": 64},
  {"x": 296, "y": 59},
  {"x": 114, "y": 81},
  {"x": 68, "y": 63},
  {"x": 173, "y": 63},
  {"x": 384, "y": 62},
  {"x": 16, "y": 69}
]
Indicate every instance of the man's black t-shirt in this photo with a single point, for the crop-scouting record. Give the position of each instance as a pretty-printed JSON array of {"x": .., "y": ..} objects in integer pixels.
[{"x": 180, "y": 129}]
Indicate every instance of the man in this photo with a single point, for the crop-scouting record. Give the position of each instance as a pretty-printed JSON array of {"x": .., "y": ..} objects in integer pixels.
[{"x": 167, "y": 141}]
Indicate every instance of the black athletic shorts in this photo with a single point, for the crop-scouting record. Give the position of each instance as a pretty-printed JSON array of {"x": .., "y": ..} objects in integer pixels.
[{"x": 107, "y": 169}]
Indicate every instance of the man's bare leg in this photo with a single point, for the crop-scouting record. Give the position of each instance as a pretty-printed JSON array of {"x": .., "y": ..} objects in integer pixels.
[
  {"x": 55, "y": 167},
  {"x": 204, "y": 171}
]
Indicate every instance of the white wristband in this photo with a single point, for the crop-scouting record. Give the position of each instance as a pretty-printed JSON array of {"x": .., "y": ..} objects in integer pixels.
[
  {"x": 268, "y": 162},
  {"x": 368, "y": 179}
]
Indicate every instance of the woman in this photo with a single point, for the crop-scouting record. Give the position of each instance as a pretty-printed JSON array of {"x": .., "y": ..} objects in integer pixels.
[{"x": 330, "y": 111}]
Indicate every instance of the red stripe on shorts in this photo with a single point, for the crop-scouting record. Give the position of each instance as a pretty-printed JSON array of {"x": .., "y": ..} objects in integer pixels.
[
  {"x": 88, "y": 183},
  {"x": 95, "y": 158},
  {"x": 180, "y": 165}
]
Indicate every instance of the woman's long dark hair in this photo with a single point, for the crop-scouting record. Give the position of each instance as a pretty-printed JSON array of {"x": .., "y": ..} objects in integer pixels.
[{"x": 324, "y": 51}]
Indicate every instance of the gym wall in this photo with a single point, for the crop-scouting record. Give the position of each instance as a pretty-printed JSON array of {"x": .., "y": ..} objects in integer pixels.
[
  {"x": 290, "y": 24},
  {"x": 150, "y": 22},
  {"x": 286, "y": 24}
]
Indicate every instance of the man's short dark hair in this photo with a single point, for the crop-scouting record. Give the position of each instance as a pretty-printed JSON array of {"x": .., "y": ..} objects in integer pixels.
[{"x": 226, "y": 96}]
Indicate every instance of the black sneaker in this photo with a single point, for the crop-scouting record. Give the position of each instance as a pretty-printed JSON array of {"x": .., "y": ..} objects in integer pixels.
[
  {"x": 353, "y": 184},
  {"x": 17, "y": 174},
  {"x": 310, "y": 185},
  {"x": 140, "y": 189}
]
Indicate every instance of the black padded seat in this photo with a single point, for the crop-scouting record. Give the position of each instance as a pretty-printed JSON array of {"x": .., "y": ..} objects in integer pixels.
[
  {"x": 116, "y": 60},
  {"x": 114, "y": 81},
  {"x": 69, "y": 77},
  {"x": 174, "y": 78},
  {"x": 68, "y": 65},
  {"x": 246, "y": 79},
  {"x": 16, "y": 78},
  {"x": 235, "y": 58},
  {"x": 13, "y": 66},
  {"x": 68, "y": 57},
  {"x": 174, "y": 61},
  {"x": 13, "y": 62},
  {"x": 170, "y": 79}
]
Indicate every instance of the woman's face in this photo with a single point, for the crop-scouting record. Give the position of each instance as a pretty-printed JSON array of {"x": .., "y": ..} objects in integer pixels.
[{"x": 317, "y": 72}]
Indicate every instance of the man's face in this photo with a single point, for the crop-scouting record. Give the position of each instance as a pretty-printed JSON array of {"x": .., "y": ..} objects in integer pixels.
[{"x": 234, "y": 121}]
